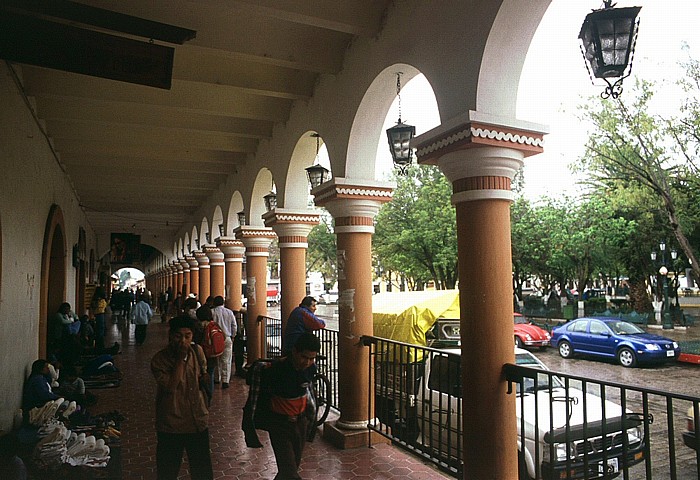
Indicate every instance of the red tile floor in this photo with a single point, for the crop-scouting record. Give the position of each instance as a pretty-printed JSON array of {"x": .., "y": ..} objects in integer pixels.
[{"x": 134, "y": 399}]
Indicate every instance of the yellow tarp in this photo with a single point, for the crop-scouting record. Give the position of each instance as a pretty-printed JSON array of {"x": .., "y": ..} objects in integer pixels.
[{"x": 407, "y": 316}]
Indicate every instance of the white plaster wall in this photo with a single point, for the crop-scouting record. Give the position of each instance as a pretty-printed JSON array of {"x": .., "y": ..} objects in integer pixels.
[{"x": 31, "y": 182}]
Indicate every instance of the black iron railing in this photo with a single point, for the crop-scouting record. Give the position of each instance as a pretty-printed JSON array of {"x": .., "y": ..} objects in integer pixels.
[
  {"x": 585, "y": 428},
  {"x": 328, "y": 356}
]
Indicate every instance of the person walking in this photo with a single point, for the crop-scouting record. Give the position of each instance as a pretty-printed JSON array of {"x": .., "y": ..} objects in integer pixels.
[
  {"x": 286, "y": 382},
  {"x": 226, "y": 319},
  {"x": 141, "y": 314},
  {"x": 182, "y": 416},
  {"x": 98, "y": 306},
  {"x": 302, "y": 319}
]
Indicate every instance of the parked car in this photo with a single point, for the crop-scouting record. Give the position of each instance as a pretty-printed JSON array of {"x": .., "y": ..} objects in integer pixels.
[
  {"x": 613, "y": 338},
  {"x": 571, "y": 439},
  {"x": 528, "y": 335},
  {"x": 689, "y": 437}
]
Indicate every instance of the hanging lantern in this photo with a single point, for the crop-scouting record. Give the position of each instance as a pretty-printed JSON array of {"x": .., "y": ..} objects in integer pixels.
[
  {"x": 317, "y": 173},
  {"x": 221, "y": 230},
  {"x": 241, "y": 218},
  {"x": 400, "y": 136},
  {"x": 270, "y": 201},
  {"x": 608, "y": 37}
]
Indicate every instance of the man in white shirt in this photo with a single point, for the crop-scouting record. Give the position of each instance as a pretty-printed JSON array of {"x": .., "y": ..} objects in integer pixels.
[{"x": 227, "y": 321}]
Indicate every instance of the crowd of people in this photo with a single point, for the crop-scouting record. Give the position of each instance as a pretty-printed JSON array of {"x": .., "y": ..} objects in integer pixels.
[{"x": 185, "y": 376}]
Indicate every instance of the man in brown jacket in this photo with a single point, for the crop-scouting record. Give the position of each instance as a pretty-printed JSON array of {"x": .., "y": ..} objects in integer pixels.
[{"x": 182, "y": 417}]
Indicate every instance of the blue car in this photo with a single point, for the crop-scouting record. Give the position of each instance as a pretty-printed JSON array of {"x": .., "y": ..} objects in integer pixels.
[{"x": 613, "y": 338}]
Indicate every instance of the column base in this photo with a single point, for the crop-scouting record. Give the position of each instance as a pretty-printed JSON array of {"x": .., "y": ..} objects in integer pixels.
[{"x": 344, "y": 439}]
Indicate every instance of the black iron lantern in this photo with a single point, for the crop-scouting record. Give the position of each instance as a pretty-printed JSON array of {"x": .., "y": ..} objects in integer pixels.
[
  {"x": 608, "y": 38},
  {"x": 270, "y": 201},
  {"x": 400, "y": 136},
  {"x": 207, "y": 238},
  {"x": 317, "y": 173},
  {"x": 241, "y": 218},
  {"x": 221, "y": 230}
]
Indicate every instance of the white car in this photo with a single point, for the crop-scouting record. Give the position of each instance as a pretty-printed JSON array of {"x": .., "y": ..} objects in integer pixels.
[{"x": 564, "y": 451}]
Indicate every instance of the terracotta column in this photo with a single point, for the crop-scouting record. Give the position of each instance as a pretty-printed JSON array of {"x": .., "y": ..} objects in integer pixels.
[
  {"x": 204, "y": 277},
  {"x": 353, "y": 204},
  {"x": 178, "y": 275},
  {"x": 480, "y": 157},
  {"x": 186, "y": 282},
  {"x": 216, "y": 270},
  {"x": 292, "y": 228},
  {"x": 172, "y": 277},
  {"x": 257, "y": 241},
  {"x": 194, "y": 275},
  {"x": 233, "y": 262}
]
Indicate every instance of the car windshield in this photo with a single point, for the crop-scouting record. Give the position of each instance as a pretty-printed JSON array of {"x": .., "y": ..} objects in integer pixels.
[
  {"x": 625, "y": 328},
  {"x": 543, "y": 380},
  {"x": 520, "y": 320}
]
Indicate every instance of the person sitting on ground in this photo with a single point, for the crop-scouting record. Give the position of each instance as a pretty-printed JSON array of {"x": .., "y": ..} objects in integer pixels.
[
  {"x": 302, "y": 319},
  {"x": 37, "y": 389},
  {"x": 11, "y": 466},
  {"x": 54, "y": 370},
  {"x": 60, "y": 327},
  {"x": 72, "y": 387}
]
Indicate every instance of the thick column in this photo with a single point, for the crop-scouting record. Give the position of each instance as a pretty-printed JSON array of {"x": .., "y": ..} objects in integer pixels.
[
  {"x": 203, "y": 262},
  {"x": 178, "y": 275},
  {"x": 194, "y": 275},
  {"x": 233, "y": 263},
  {"x": 257, "y": 242},
  {"x": 353, "y": 204},
  {"x": 186, "y": 282},
  {"x": 480, "y": 158},
  {"x": 172, "y": 277},
  {"x": 292, "y": 228},
  {"x": 216, "y": 270}
]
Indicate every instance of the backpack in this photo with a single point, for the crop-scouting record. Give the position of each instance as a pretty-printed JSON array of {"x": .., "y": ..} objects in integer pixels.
[{"x": 214, "y": 340}]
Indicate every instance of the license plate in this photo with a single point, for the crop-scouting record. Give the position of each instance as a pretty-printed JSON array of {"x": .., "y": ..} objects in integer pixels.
[
  {"x": 670, "y": 353},
  {"x": 610, "y": 467}
]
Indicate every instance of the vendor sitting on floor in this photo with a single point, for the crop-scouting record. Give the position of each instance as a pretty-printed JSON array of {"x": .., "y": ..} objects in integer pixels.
[
  {"x": 73, "y": 388},
  {"x": 37, "y": 390}
]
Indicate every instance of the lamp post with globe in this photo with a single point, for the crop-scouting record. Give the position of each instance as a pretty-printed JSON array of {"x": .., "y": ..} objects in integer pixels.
[{"x": 663, "y": 271}]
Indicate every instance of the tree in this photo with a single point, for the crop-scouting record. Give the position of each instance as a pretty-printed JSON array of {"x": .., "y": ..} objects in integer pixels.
[
  {"x": 321, "y": 253},
  {"x": 631, "y": 148},
  {"x": 416, "y": 233}
]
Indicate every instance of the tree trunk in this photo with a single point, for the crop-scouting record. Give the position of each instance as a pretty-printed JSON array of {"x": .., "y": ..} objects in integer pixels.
[
  {"x": 639, "y": 298},
  {"x": 682, "y": 239}
]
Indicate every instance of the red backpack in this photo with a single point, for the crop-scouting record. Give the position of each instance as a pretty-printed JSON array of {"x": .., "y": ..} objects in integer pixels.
[{"x": 214, "y": 340}]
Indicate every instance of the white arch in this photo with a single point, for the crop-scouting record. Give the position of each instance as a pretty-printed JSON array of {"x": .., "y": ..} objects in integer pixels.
[
  {"x": 262, "y": 186},
  {"x": 216, "y": 220}
]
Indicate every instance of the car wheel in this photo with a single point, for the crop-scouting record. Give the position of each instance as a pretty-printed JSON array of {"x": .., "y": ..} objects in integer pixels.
[
  {"x": 626, "y": 358},
  {"x": 565, "y": 349},
  {"x": 518, "y": 342}
]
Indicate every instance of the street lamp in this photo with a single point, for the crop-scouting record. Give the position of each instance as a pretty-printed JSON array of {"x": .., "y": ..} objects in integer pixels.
[
  {"x": 663, "y": 273},
  {"x": 608, "y": 37}
]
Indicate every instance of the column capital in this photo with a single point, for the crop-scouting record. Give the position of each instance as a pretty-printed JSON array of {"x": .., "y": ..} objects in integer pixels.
[
  {"x": 257, "y": 240},
  {"x": 353, "y": 203},
  {"x": 192, "y": 261},
  {"x": 233, "y": 249},
  {"x": 480, "y": 153},
  {"x": 202, "y": 259},
  {"x": 215, "y": 256},
  {"x": 185, "y": 265},
  {"x": 292, "y": 226}
]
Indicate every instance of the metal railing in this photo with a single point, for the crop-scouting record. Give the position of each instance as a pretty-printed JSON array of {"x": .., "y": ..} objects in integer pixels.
[
  {"x": 585, "y": 428},
  {"x": 328, "y": 364}
]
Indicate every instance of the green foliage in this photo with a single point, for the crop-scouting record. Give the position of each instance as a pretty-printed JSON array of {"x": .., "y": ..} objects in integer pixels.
[
  {"x": 321, "y": 254},
  {"x": 416, "y": 232}
]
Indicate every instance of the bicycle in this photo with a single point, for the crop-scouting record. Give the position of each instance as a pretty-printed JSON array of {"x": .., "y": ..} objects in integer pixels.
[{"x": 320, "y": 394}]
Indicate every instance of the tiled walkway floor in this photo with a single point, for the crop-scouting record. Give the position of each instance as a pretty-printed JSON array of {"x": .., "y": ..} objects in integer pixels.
[{"x": 135, "y": 399}]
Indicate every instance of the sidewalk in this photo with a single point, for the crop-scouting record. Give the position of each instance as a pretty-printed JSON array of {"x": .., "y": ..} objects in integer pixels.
[{"x": 135, "y": 399}]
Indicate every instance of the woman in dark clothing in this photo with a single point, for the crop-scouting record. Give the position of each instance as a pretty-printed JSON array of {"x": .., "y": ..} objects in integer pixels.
[{"x": 37, "y": 390}]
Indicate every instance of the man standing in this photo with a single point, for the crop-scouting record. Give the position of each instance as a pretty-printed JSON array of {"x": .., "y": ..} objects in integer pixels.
[
  {"x": 227, "y": 321},
  {"x": 302, "y": 319},
  {"x": 286, "y": 382},
  {"x": 141, "y": 314},
  {"x": 182, "y": 417}
]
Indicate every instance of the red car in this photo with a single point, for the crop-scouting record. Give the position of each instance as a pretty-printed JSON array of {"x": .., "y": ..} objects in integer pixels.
[{"x": 529, "y": 335}]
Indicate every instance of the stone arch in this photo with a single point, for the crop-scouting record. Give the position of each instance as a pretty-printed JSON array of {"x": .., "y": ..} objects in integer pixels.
[
  {"x": 367, "y": 125},
  {"x": 511, "y": 35},
  {"x": 53, "y": 273},
  {"x": 216, "y": 220},
  {"x": 235, "y": 205},
  {"x": 296, "y": 187},
  {"x": 263, "y": 184}
]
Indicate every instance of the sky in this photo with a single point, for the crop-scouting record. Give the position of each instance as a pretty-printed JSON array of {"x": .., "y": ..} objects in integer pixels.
[{"x": 555, "y": 82}]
